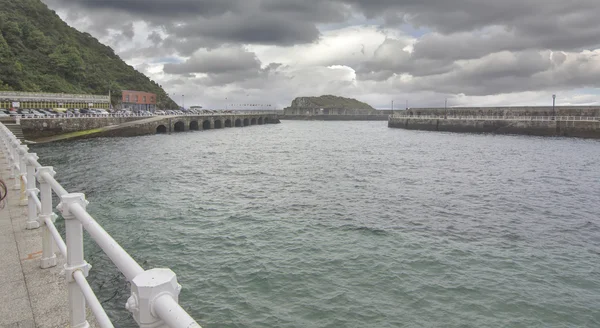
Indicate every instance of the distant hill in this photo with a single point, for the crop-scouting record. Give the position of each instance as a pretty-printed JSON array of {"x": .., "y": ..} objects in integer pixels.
[
  {"x": 40, "y": 52},
  {"x": 329, "y": 102}
]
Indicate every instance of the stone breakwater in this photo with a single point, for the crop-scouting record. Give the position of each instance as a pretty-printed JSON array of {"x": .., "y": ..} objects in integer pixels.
[{"x": 583, "y": 122}]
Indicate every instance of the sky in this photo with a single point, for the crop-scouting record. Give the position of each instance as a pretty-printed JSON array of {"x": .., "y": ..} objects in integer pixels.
[{"x": 424, "y": 53}]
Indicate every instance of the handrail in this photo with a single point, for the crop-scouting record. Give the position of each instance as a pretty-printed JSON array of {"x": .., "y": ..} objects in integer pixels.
[
  {"x": 154, "y": 293},
  {"x": 98, "y": 115},
  {"x": 62, "y": 247},
  {"x": 505, "y": 117},
  {"x": 92, "y": 300},
  {"x": 56, "y": 187},
  {"x": 124, "y": 262}
]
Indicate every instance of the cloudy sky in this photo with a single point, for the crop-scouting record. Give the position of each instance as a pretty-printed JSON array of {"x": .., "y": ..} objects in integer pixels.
[{"x": 470, "y": 52}]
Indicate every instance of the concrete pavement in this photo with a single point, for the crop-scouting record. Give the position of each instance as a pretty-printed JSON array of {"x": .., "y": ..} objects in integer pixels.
[{"x": 29, "y": 296}]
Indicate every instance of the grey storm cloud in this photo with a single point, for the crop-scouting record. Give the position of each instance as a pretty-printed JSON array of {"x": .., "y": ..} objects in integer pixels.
[
  {"x": 223, "y": 66},
  {"x": 193, "y": 24},
  {"x": 222, "y": 60},
  {"x": 390, "y": 59},
  {"x": 519, "y": 24},
  {"x": 155, "y": 38},
  {"x": 473, "y": 47},
  {"x": 508, "y": 72}
]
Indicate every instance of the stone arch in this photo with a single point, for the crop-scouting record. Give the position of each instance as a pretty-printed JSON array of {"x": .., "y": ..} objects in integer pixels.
[
  {"x": 206, "y": 125},
  {"x": 194, "y": 125},
  {"x": 179, "y": 126},
  {"x": 238, "y": 122},
  {"x": 253, "y": 121},
  {"x": 161, "y": 129},
  {"x": 218, "y": 124},
  {"x": 266, "y": 120},
  {"x": 246, "y": 122},
  {"x": 260, "y": 121},
  {"x": 227, "y": 123}
]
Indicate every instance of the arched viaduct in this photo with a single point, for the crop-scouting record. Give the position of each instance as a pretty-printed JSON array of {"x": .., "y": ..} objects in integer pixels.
[{"x": 173, "y": 124}]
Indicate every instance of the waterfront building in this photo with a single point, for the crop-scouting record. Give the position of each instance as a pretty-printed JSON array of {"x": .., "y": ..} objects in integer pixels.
[
  {"x": 35, "y": 100},
  {"x": 138, "y": 100}
]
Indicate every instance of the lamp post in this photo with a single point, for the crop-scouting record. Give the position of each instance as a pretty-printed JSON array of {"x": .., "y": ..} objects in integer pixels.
[
  {"x": 182, "y": 101},
  {"x": 109, "y": 101},
  {"x": 553, "y": 105}
]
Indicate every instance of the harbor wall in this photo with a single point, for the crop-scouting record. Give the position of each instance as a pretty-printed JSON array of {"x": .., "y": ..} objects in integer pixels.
[
  {"x": 582, "y": 129},
  {"x": 45, "y": 127}
]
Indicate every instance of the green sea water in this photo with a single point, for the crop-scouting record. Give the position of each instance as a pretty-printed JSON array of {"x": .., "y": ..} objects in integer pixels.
[{"x": 348, "y": 224}]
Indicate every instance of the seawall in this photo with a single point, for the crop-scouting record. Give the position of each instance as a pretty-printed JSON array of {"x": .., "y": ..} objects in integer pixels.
[
  {"x": 41, "y": 130},
  {"x": 47, "y": 127},
  {"x": 581, "y": 129}
]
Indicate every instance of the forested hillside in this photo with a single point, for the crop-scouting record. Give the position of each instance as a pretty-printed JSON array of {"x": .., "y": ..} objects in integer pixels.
[{"x": 40, "y": 52}]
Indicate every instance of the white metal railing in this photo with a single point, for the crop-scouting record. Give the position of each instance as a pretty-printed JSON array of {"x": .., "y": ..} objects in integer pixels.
[
  {"x": 96, "y": 115},
  {"x": 499, "y": 117},
  {"x": 154, "y": 293}
]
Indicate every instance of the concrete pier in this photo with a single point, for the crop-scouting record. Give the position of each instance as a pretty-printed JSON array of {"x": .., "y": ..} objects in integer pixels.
[
  {"x": 564, "y": 121},
  {"x": 29, "y": 296}
]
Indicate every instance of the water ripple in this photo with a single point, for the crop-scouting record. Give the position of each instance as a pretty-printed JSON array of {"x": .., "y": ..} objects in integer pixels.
[{"x": 348, "y": 224}]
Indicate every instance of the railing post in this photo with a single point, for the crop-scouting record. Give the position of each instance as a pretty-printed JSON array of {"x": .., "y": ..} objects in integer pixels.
[
  {"x": 75, "y": 260},
  {"x": 32, "y": 212},
  {"x": 15, "y": 145},
  {"x": 146, "y": 287},
  {"x": 48, "y": 257},
  {"x": 23, "y": 168}
]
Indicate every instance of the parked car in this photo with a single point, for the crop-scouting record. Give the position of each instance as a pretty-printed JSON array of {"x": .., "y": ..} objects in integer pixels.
[
  {"x": 25, "y": 113},
  {"x": 38, "y": 113},
  {"x": 47, "y": 113}
]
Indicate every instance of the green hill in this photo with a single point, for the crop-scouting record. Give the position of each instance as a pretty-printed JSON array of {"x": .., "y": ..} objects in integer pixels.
[
  {"x": 329, "y": 102},
  {"x": 40, "y": 52}
]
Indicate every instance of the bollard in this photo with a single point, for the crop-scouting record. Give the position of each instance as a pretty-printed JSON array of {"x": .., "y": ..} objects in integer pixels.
[
  {"x": 75, "y": 260},
  {"x": 32, "y": 211},
  {"x": 23, "y": 173},
  {"x": 48, "y": 257}
]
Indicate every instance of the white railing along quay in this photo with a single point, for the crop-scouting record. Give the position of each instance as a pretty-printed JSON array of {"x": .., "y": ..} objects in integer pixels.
[
  {"x": 154, "y": 293},
  {"x": 506, "y": 118},
  {"x": 69, "y": 115}
]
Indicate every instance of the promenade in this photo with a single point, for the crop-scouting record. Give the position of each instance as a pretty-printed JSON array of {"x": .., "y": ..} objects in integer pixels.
[
  {"x": 43, "y": 275},
  {"x": 29, "y": 296}
]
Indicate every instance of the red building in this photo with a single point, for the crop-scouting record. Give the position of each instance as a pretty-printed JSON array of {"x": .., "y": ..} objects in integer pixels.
[{"x": 139, "y": 100}]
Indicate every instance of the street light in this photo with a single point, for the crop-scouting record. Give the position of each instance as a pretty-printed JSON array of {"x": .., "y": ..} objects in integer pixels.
[
  {"x": 182, "y": 102},
  {"x": 553, "y": 105}
]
